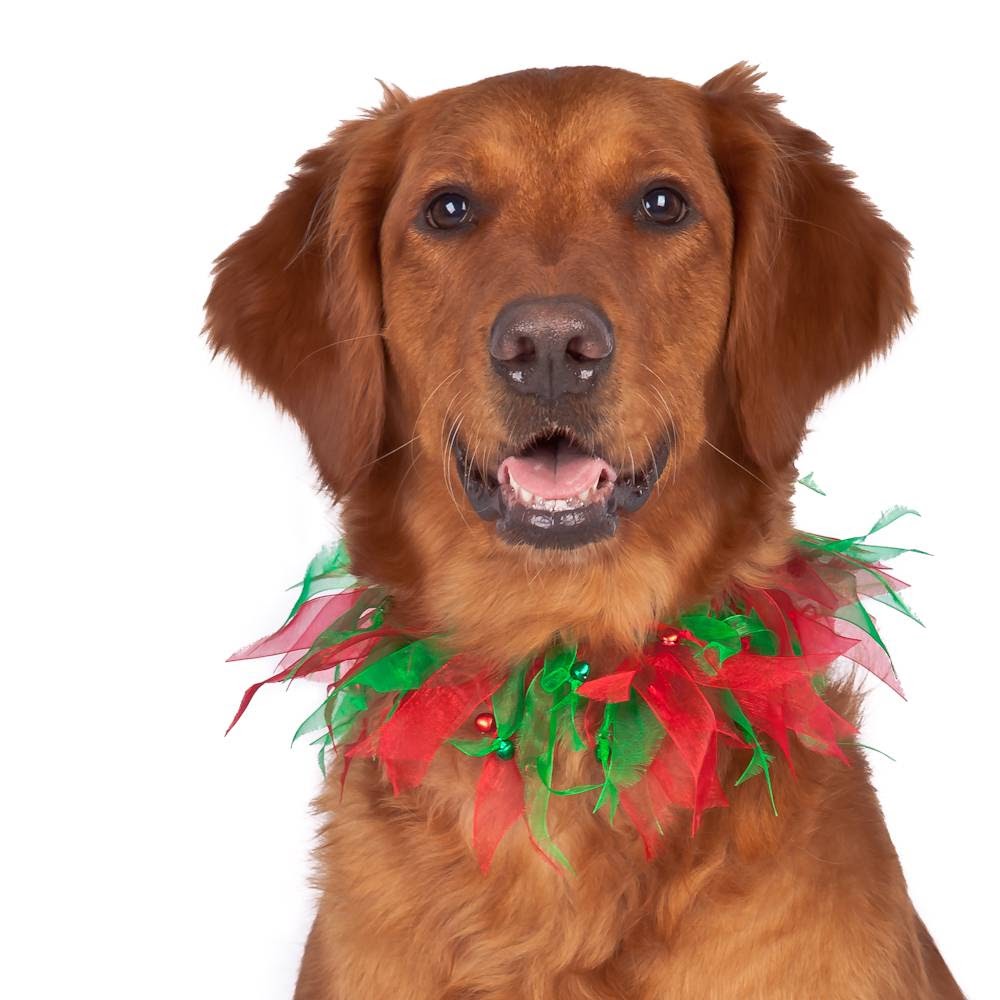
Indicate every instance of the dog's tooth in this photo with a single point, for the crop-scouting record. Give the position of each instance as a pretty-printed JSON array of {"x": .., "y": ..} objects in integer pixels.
[{"x": 525, "y": 497}]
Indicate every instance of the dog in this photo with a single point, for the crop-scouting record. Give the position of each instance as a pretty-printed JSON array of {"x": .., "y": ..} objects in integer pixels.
[{"x": 648, "y": 287}]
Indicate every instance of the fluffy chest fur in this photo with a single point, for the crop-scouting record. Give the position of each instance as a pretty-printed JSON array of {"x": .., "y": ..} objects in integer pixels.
[{"x": 755, "y": 906}]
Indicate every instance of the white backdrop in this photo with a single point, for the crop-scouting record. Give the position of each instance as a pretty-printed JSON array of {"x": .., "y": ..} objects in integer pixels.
[{"x": 155, "y": 509}]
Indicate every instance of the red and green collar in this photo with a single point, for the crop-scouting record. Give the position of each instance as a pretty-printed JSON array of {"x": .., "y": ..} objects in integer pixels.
[{"x": 748, "y": 669}]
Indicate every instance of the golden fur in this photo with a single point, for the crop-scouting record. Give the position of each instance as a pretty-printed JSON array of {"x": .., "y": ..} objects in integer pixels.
[{"x": 372, "y": 334}]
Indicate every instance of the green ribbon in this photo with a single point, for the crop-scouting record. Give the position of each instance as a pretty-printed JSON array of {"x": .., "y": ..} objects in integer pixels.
[
  {"x": 328, "y": 570},
  {"x": 627, "y": 740},
  {"x": 810, "y": 484},
  {"x": 760, "y": 759},
  {"x": 723, "y": 636}
]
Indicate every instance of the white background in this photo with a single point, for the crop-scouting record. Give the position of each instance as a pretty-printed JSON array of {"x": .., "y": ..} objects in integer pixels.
[{"x": 154, "y": 509}]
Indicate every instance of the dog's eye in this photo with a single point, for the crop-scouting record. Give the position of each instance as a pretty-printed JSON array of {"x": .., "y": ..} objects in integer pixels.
[
  {"x": 448, "y": 211},
  {"x": 665, "y": 206}
]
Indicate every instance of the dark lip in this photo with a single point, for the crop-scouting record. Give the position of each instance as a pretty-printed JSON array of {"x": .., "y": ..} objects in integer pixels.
[{"x": 570, "y": 529}]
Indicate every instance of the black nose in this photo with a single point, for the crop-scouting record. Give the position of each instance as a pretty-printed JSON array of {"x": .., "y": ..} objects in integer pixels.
[{"x": 552, "y": 346}]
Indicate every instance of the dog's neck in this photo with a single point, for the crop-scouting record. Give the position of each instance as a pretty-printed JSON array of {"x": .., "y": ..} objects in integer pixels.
[{"x": 506, "y": 604}]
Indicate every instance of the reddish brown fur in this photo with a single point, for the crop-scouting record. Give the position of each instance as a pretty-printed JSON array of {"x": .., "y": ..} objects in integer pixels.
[{"x": 372, "y": 334}]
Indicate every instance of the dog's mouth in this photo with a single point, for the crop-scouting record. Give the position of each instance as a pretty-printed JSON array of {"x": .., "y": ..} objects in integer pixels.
[{"x": 554, "y": 493}]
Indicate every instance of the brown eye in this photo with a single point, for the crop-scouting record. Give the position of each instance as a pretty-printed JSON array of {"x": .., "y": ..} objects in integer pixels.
[
  {"x": 448, "y": 211},
  {"x": 664, "y": 206}
]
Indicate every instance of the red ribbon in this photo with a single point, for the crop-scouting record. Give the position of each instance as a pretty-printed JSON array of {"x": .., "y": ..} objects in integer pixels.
[
  {"x": 298, "y": 634},
  {"x": 499, "y": 805},
  {"x": 429, "y": 716},
  {"x": 355, "y": 649},
  {"x": 614, "y": 687}
]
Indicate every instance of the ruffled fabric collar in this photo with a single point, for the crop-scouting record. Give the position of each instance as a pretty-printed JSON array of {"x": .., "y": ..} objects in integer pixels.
[{"x": 748, "y": 669}]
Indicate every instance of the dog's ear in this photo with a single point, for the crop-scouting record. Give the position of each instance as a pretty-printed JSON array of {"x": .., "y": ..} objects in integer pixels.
[
  {"x": 296, "y": 300},
  {"x": 819, "y": 282}
]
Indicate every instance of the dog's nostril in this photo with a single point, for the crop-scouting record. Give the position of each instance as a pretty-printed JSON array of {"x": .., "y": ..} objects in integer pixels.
[
  {"x": 525, "y": 347},
  {"x": 588, "y": 348},
  {"x": 575, "y": 349},
  {"x": 512, "y": 346},
  {"x": 552, "y": 346}
]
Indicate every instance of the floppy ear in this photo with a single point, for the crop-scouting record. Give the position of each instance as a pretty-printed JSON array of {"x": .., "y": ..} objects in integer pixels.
[
  {"x": 819, "y": 282},
  {"x": 296, "y": 300}
]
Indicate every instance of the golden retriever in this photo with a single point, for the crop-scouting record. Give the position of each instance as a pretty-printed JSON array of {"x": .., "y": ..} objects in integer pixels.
[{"x": 648, "y": 286}]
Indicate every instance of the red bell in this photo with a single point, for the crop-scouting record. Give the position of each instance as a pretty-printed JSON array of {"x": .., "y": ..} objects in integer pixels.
[{"x": 485, "y": 722}]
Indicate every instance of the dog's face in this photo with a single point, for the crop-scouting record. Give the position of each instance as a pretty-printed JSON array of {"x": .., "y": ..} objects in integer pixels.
[
  {"x": 554, "y": 338},
  {"x": 555, "y": 279}
]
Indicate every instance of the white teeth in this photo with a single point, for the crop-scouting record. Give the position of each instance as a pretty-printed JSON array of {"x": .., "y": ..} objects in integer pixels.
[{"x": 528, "y": 499}]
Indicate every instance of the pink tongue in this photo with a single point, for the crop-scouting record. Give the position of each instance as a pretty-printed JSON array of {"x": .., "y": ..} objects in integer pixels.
[{"x": 555, "y": 473}]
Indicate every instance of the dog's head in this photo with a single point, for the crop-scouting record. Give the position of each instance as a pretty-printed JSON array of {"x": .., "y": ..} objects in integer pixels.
[{"x": 554, "y": 339}]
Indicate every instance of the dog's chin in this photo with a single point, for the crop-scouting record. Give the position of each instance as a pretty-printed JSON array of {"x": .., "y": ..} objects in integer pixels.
[{"x": 554, "y": 494}]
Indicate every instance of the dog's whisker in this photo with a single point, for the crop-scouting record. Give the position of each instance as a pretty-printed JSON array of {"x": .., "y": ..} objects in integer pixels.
[
  {"x": 738, "y": 465},
  {"x": 471, "y": 458},
  {"x": 330, "y": 347},
  {"x": 449, "y": 445},
  {"x": 447, "y": 478},
  {"x": 402, "y": 481},
  {"x": 480, "y": 462},
  {"x": 412, "y": 465},
  {"x": 443, "y": 435},
  {"x": 671, "y": 425},
  {"x": 430, "y": 396},
  {"x": 319, "y": 209},
  {"x": 817, "y": 225},
  {"x": 652, "y": 458},
  {"x": 386, "y": 454}
]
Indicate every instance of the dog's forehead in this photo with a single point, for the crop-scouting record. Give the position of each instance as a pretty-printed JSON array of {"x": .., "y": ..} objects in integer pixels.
[{"x": 547, "y": 124}]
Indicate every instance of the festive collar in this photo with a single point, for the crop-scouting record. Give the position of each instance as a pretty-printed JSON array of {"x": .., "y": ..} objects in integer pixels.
[{"x": 749, "y": 669}]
